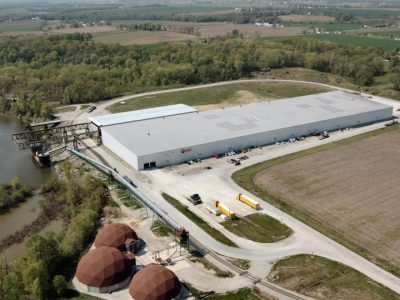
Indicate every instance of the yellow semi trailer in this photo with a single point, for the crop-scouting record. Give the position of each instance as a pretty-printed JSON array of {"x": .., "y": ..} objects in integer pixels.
[
  {"x": 225, "y": 210},
  {"x": 250, "y": 202}
]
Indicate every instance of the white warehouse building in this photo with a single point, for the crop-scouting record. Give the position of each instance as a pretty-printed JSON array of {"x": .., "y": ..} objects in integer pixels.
[{"x": 159, "y": 138}]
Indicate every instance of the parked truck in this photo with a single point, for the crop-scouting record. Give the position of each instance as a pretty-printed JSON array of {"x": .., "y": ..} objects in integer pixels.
[
  {"x": 225, "y": 210},
  {"x": 250, "y": 202},
  {"x": 213, "y": 210}
]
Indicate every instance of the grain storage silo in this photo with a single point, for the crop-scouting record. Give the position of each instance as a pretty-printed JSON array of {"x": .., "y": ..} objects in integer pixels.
[
  {"x": 117, "y": 235},
  {"x": 103, "y": 270},
  {"x": 155, "y": 282}
]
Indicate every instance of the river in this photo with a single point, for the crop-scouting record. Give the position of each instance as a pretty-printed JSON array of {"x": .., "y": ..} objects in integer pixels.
[
  {"x": 14, "y": 162},
  {"x": 17, "y": 163}
]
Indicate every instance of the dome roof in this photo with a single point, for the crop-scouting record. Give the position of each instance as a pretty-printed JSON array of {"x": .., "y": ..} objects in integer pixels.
[
  {"x": 154, "y": 282},
  {"x": 115, "y": 235},
  {"x": 103, "y": 267}
]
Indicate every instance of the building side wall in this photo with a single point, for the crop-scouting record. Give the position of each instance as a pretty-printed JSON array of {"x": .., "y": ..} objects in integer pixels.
[
  {"x": 111, "y": 143},
  {"x": 176, "y": 156},
  {"x": 105, "y": 289}
]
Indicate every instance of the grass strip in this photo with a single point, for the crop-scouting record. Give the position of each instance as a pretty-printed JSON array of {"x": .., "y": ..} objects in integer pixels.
[
  {"x": 199, "y": 221},
  {"x": 242, "y": 294},
  {"x": 128, "y": 199},
  {"x": 160, "y": 229},
  {"x": 319, "y": 277},
  {"x": 259, "y": 228},
  {"x": 210, "y": 266},
  {"x": 243, "y": 264}
]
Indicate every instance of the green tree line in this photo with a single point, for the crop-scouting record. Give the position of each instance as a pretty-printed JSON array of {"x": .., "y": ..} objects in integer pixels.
[
  {"x": 38, "y": 71},
  {"x": 144, "y": 27}
]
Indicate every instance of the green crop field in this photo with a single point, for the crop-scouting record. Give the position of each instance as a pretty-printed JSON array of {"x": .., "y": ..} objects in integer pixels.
[
  {"x": 21, "y": 26},
  {"x": 163, "y": 22},
  {"x": 326, "y": 26},
  {"x": 338, "y": 27},
  {"x": 360, "y": 41},
  {"x": 387, "y": 33},
  {"x": 140, "y": 37},
  {"x": 372, "y": 12},
  {"x": 369, "y": 12},
  {"x": 167, "y": 10}
]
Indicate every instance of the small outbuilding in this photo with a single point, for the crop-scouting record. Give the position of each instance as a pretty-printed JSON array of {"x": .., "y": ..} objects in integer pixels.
[
  {"x": 104, "y": 270},
  {"x": 117, "y": 235},
  {"x": 155, "y": 282}
]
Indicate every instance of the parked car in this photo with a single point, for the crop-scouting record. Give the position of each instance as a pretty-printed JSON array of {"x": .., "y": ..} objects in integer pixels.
[
  {"x": 324, "y": 135},
  {"x": 126, "y": 178},
  {"x": 92, "y": 108},
  {"x": 195, "y": 199}
]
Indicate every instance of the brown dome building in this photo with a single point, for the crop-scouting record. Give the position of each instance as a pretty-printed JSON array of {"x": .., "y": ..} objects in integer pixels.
[
  {"x": 155, "y": 282},
  {"x": 103, "y": 270},
  {"x": 116, "y": 235}
]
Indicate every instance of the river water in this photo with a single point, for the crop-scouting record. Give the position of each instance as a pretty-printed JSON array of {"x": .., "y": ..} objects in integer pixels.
[{"x": 17, "y": 163}]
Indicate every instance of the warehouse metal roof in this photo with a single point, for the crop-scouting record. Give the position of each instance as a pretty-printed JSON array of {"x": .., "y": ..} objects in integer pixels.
[
  {"x": 142, "y": 114},
  {"x": 177, "y": 132}
]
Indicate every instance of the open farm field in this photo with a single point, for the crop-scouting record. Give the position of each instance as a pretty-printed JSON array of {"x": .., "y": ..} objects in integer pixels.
[
  {"x": 371, "y": 12},
  {"x": 248, "y": 31},
  {"x": 140, "y": 37},
  {"x": 166, "y": 10},
  {"x": 220, "y": 96},
  {"x": 394, "y": 33},
  {"x": 93, "y": 30},
  {"x": 305, "y": 18},
  {"x": 321, "y": 278},
  {"x": 165, "y": 22},
  {"x": 383, "y": 30},
  {"x": 337, "y": 26},
  {"x": 359, "y": 41},
  {"x": 213, "y": 29},
  {"x": 21, "y": 26},
  {"x": 349, "y": 190},
  {"x": 326, "y": 26}
]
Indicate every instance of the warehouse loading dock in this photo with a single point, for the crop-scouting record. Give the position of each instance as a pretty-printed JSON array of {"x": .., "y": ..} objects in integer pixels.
[{"x": 171, "y": 139}]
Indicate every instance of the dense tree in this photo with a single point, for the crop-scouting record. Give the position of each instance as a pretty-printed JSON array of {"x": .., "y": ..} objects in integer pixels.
[
  {"x": 395, "y": 79},
  {"x": 11, "y": 283},
  {"x": 43, "y": 249},
  {"x": 46, "y": 269},
  {"x": 36, "y": 279},
  {"x": 38, "y": 71},
  {"x": 60, "y": 285}
]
